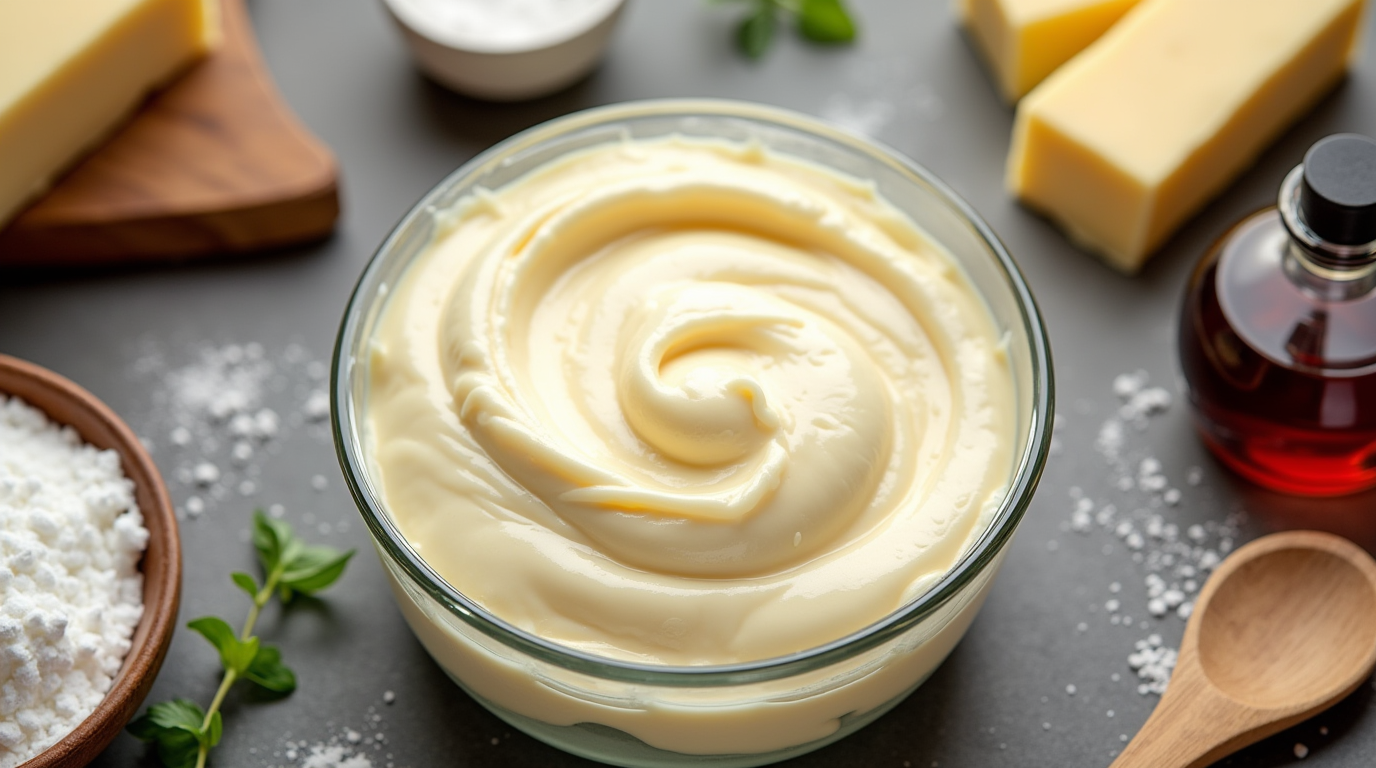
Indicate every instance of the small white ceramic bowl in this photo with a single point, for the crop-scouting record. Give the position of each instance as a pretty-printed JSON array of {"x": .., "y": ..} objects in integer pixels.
[{"x": 497, "y": 69}]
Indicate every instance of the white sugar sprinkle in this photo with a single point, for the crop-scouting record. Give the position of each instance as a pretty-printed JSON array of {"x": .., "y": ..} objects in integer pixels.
[
  {"x": 205, "y": 474},
  {"x": 242, "y": 453},
  {"x": 317, "y": 406},
  {"x": 334, "y": 756},
  {"x": 1174, "y": 556},
  {"x": 218, "y": 411}
]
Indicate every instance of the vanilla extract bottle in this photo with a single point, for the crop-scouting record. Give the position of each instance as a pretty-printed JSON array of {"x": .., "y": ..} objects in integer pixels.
[{"x": 1278, "y": 330}]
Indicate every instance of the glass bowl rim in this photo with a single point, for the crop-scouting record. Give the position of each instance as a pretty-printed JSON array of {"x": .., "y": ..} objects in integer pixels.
[{"x": 1029, "y": 467}]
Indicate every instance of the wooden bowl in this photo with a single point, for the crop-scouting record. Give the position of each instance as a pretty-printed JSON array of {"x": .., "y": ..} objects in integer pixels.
[{"x": 66, "y": 403}]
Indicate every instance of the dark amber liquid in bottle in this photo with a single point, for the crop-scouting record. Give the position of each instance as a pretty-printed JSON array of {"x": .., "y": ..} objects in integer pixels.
[{"x": 1281, "y": 362}]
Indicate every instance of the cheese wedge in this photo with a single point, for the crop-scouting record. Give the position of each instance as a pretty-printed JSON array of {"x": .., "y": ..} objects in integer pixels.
[
  {"x": 72, "y": 70},
  {"x": 1023, "y": 41},
  {"x": 1127, "y": 140}
]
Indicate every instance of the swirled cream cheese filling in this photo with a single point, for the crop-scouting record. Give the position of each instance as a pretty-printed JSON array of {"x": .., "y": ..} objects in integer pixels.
[{"x": 688, "y": 402}]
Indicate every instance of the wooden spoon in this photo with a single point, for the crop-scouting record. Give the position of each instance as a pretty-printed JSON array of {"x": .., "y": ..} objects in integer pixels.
[{"x": 1285, "y": 628}]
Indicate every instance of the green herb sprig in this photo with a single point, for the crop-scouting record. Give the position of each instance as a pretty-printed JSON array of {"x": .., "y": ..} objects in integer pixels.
[
  {"x": 821, "y": 21},
  {"x": 182, "y": 731}
]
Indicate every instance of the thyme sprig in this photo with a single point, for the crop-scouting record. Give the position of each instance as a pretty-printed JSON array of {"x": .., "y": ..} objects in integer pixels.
[{"x": 183, "y": 732}]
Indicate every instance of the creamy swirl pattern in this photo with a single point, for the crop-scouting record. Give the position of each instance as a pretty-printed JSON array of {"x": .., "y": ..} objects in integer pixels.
[{"x": 688, "y": 402}]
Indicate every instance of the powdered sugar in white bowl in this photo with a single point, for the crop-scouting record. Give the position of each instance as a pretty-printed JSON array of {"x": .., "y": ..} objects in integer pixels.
[{"x": 506, "y": 50}]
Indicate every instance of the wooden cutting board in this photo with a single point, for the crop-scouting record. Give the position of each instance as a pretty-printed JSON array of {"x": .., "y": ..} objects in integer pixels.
[{"x": 215, "y": 164}]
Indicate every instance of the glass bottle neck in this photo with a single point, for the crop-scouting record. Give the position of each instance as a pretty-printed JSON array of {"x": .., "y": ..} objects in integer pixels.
[{"x": 1329, "y": 271}]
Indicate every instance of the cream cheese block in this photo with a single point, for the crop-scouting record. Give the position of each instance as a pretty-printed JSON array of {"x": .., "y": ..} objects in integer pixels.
[
  {"x": 1023, "y": 41},
  {"x": 1130, "y": 138},
  {"x": 72, "y": 70}
]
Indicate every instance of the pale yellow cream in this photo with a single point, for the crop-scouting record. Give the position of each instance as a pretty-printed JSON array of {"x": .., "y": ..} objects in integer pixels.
[{"x": 689, "y": 403}]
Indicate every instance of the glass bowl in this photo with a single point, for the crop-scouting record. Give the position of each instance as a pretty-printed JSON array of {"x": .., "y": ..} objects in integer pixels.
[{"x": 725, "y": 715}]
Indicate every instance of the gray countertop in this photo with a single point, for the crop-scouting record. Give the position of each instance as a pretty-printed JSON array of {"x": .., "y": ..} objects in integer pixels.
[{"x": 139, "y": 340}]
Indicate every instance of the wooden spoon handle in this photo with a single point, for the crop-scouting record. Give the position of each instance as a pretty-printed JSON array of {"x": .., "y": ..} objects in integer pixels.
[{"x": 1193, "y": 726}]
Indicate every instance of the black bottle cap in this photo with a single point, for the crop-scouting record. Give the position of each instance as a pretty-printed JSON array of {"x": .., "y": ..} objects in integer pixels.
[{"x": 1338, "y": 196}]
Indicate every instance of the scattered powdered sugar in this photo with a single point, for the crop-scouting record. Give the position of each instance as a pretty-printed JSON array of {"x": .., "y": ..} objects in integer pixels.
[
  {"x": 1110, "y": 442},
  {"x": 347, "y": 747},
  {"x": 334, "y": 756},
  {"x": 1153, "y": 663},
  {"x": 873, "y": 99},
  {"x": 1138, "y": 404},
  {"x": 70, "y": 541},
  {"x": 317, "y": 406},
  {"x": 868, "y": 118},
  {"x": 222, "y": 417},
  {"x": 1142, "y": 513},
  {"x": 1176, "y": 562}
]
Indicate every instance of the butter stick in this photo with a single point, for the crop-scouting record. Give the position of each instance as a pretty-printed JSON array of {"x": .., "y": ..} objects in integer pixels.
[
  {"x": 1130, "y": 138},
  {"x": 1023, "y": 41},
  {"x": 72, "y": 70}
]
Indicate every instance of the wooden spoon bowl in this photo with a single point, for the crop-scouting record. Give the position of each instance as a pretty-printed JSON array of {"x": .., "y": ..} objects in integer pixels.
[
  {"x": 1285, "y": 628},
  {"x": 66, "y": 403}
]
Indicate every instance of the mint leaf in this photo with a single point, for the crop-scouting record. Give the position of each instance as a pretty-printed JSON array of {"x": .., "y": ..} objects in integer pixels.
[
  {"x": 315, "y": 568},
  {"x": 178, "y": 748},
  {"x": 756, "y": 31},
  {"x": 244, "y": 652},
  {"x": 825, "y": 21},
  {"x": 274, "y": 541},
  {"x": 236, "y": 655},
  {"x": 175, "y": 727},
  {"x": 181, "y": 731},
  {"x": 246, "y": 583},
  {"x": 178, "y": 713},
  {"x": 220, "y": 635},
  {"x": 268, "y": 671},
  {"x": 144, "y": 729},
  {"x": 217, "y": 729},
  {"x": 160, "y": 717}
]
